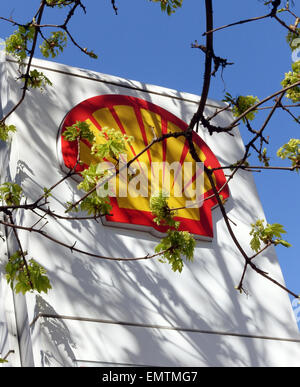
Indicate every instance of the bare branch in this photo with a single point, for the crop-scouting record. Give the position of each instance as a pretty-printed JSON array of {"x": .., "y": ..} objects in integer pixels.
[
  {"x": 236, "y": 23},
  {"x": 73, "y": 248}
]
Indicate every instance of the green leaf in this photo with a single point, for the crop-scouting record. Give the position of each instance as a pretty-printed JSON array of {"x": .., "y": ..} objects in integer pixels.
[
  {"x": 79, "y": 130},
  {"x": 54, "y": 44},
  {"x": 96, "y": 205},
  {"x": 243, "y": 103},
  {"x": 271, "y": 233},
  {"x": 292, "y": 37},
  {"x": 26, "y": 276},
  {"x": 37, "y": 79},
  {"x": 290, "y": 78},
  {"x": 114, "y": 143},
  {"x": 160, "y": 209},
  {"x": 263, "y": 158},
  {"x": 291, "y": 151},
  {"x": 10, "y": 193},
  {"x": 255, "y": 243},
  {"x": 169, "y": 6},
  {"x": 16, "y": 44},
  {"x": 282, "y": 242},
  {"x": 91, "y": 54},
  {"x": 47, "y": 192},
  {"x": 5, "y": 131},
  {"x": 175, "y": 245}
]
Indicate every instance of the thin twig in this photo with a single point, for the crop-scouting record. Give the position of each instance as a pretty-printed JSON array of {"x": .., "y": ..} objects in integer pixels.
[
  {"x": 73, "y": 248},
  {"x": 236, "y": 23}
]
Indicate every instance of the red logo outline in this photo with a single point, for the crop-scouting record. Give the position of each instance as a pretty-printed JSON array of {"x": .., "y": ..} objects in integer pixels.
[{"x": 129, "y": 218}]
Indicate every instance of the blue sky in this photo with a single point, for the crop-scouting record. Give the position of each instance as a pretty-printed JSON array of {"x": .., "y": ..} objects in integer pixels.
[{"x": 143, "y": 44}]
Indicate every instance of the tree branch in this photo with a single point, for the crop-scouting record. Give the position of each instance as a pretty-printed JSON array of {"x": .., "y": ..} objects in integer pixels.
[
  {"x": 236, "y": 23},
  {"x": 73, "y": 248},
  {"x": 28, "y": 65},
  {"x": 21, "y": 249}
]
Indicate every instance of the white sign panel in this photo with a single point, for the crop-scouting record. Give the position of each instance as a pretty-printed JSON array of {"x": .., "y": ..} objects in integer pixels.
[{"x": 139, "y": 313}]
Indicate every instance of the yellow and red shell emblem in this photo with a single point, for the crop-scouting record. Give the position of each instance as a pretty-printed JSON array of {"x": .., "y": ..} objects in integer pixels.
[{"x": 141, "y": 119}]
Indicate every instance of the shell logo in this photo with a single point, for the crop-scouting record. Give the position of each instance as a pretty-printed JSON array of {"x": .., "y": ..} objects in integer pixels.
[{"x": 144, "y": 120}]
